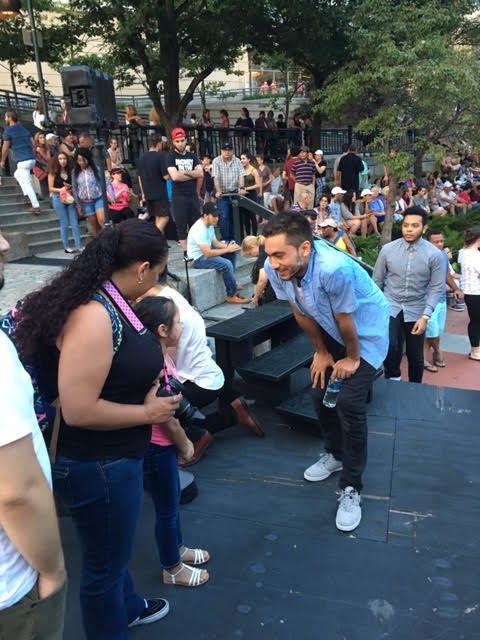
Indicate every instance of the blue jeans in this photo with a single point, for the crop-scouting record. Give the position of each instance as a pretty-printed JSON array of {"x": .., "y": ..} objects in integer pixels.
[
  {"x": 160, "y": 472},
  {"x": 225, "y": 221},
  {"x": 226, "y": 265},
  {"x": 66, "y": 215},
  {"x": 104, "y": 498}
]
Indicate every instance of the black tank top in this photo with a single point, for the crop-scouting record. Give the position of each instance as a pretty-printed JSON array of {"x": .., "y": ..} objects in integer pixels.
[{"x": 135, "y": 366}]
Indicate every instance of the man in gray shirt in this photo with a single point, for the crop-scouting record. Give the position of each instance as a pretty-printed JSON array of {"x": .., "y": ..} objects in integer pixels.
[{"x": 409, "y": 271}]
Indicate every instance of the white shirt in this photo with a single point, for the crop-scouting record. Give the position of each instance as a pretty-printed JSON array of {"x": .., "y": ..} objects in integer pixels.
[
  {"x": 469, "y": 260},
  {"x": 17, "y": 420},
  {"x": 199, "y": 234},
  {"x": 193, "y": 358}
]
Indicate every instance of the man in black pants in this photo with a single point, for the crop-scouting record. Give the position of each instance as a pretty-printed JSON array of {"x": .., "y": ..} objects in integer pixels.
[
  {"x": 152, "y": 174},
  {"x": 184, "y": 168},
  {"x": 411, "y": 274}
]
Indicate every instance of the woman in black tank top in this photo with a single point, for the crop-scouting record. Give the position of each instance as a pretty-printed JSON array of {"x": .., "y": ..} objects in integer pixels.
[{"x": 106, "y": 366}]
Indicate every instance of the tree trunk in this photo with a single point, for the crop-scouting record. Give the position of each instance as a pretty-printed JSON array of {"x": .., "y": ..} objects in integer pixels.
[
  {"x": 386, "y": 236},
  {"x": 14, "y": 84}
]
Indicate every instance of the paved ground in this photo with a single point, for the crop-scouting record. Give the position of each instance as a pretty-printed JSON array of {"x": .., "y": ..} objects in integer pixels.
[{"x": 460, "y": 372}]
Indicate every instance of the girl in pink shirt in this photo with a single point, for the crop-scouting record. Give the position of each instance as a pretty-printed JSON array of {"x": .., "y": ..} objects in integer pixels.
[{"x": 169, "y": 445}]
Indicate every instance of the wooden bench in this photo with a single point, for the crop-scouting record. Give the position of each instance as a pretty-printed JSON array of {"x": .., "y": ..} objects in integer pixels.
[{"x": 279, "y": 363}]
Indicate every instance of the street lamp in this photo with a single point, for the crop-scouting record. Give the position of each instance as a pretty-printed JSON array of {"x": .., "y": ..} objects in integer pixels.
[{"x": 11, "y": 9}]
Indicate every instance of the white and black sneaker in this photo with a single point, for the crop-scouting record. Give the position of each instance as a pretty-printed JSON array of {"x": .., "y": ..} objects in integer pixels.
[
  {"x": 349, "y": 512},
  {"x": 155, "y": 609}
]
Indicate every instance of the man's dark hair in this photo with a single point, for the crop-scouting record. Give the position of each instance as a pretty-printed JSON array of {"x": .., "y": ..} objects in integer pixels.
[
  {"x": 345, "y": 147},
  {"x": 294, "y": 225},
  {"x": 433, "y": 232},
  {"x": 471, "y": 236},
  {"x": 416, "y": 211},
  {"x": 12, "y": 115},
  {"x": 352, "y": 147},
  {"x": 153, "y": 140}
]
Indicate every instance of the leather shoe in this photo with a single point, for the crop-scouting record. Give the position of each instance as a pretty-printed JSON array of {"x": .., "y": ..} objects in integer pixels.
[
  {"x": 199, "y": 448},
  {"x": 244, "y": 417},
  {"x": 236, "y": 300}
]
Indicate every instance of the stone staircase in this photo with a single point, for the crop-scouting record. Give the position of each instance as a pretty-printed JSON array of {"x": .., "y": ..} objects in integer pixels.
[
  {"x": 39, "y": 236},
  {"x": 41, "y": 233}
]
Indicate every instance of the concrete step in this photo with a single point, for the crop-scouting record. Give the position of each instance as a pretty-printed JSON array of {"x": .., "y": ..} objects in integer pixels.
[
  {"x": 6, "y": 198},
  {"x": 8, "y": 189},
  {"x": 12, "y": 217}
]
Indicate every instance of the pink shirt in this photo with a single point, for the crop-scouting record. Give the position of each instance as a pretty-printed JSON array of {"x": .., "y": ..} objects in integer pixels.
[{"x": 160, "y": 433}]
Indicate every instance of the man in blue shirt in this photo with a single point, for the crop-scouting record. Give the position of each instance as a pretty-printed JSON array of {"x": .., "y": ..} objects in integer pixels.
[
  {"x": 17, "y": 138},
  {"x": 345, "y": 316}
]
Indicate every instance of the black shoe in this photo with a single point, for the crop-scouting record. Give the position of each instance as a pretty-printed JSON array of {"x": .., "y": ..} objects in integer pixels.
[{"x": 155, "y": 610}]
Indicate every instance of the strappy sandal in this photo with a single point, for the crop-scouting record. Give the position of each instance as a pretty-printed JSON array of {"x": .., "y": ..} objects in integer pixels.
[
  {"x": 200, "y": 556},
  {"x": 195, "y": 579},
  {"x": 430, "y": 367}
]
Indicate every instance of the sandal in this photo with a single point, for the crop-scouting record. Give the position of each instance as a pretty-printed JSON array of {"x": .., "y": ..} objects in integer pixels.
[
  {"x": 196, "y": 578},
  {"x": 200, "y": 556},
  {"x": 430, "y": 367},
  {"x": 439, "y": 363}
]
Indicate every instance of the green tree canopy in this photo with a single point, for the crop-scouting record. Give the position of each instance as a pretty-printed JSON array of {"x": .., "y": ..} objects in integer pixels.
[{"x": 160, "y": 39}]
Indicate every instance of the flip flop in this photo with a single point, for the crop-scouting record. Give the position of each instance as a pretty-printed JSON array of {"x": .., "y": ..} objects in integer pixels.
[
  {"x": 439, "y": 363},
  {"x": 430, "y": 367}
]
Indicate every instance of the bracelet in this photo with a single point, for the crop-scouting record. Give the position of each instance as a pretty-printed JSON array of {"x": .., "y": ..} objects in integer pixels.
[{"x": 425, "y": 317}]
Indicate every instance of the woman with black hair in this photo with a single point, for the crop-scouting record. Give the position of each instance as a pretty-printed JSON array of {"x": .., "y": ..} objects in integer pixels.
[
  {"x": 84, "y": 340},
  {"x": 60, "y": 187},
  {"x": 87, "y": 190}
]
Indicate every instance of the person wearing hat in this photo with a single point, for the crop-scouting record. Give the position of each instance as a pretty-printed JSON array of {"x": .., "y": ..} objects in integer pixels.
[
  {"x": 321, "y": 177},
  {"x": 228, "y": 177},
  {"x": 335, "y": 207},
  {"x": 448, "y": 198},
  {"x": 209, "y": 253},
  {"x": 340, "y": 239},
  {"x": 52, "y": 143},
  {"x": 369, "y": 219},
  {"x": 304, "y": 172},
  {"x": 184, "y": 169}
]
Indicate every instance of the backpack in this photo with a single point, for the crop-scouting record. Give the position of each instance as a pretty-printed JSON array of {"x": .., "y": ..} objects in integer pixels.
[{"x": 45, "y": 402}]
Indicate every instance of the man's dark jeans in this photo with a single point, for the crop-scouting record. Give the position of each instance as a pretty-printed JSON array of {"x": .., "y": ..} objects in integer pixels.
[
  {"x": 400, "y": 331},
  {"x": 344, "y": 428}
]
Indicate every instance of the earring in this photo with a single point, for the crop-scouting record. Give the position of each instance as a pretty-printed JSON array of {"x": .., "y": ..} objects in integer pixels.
[{"x": 140, "y": 280}]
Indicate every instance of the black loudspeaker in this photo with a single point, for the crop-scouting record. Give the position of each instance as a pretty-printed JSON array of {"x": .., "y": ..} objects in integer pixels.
[{"x": 89, "y": 97}]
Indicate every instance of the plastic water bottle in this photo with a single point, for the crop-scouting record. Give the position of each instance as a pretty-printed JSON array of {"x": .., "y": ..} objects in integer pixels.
[{"x": 331, "y": 393}]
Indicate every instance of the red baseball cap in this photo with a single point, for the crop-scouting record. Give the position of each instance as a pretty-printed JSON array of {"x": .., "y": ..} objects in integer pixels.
[{"x": 177, "y": 134}]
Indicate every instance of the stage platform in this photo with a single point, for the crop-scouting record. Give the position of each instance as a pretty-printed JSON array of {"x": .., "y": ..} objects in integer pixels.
[{"x": 281, "y": 571}]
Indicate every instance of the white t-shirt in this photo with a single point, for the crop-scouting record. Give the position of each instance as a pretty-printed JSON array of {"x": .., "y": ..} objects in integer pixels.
[
  {"x": 199, "y": 234},
  {"x": 17, "y": 420},
  {"x": 469, "y": 261},
  {"x": 193, "y": 358}
]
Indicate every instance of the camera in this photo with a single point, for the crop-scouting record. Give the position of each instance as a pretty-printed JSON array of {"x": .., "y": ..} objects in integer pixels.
[{"x": 185, "y": 414}]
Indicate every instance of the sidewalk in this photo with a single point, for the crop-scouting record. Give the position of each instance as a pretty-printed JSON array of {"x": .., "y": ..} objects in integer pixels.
[{"x": 459, "y": 372}]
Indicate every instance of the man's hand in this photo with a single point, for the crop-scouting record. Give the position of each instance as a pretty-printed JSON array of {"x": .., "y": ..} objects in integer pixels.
[
  {"x": 321, "y": 362},
  {"x": 218, "y": 194},
  {"x": 232, "y": 247},
  {"x": 49, "y": 583},
  {"x": 419, "y": 326},
  {"x": 458, "y": 294},
  {"x": 345, "y": 368}
]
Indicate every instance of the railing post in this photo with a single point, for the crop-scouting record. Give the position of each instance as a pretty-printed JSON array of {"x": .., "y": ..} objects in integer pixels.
[
  {"x": 350, "y": 134},
  {"x": 237, "y": 227}
]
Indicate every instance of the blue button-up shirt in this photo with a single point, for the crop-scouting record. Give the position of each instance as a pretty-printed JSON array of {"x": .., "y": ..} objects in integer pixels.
[
  {"x": 334, "y": 283},
  {"x": 412, "y": 277}
]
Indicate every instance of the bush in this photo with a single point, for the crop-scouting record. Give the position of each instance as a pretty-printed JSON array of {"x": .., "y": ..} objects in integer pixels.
[{"x": 452, "y": 228}]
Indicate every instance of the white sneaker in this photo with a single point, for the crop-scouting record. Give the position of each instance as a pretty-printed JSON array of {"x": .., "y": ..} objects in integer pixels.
[
  {"x": 349, "y": 512},
  {"x": 323, "y": 468}
]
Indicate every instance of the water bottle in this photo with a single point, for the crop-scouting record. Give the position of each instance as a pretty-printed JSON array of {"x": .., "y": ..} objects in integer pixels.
[{"x": 331, "y": 393}]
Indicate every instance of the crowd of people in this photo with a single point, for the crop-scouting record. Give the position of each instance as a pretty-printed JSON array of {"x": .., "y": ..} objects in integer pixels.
[{"x": 128, "y": 414}]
